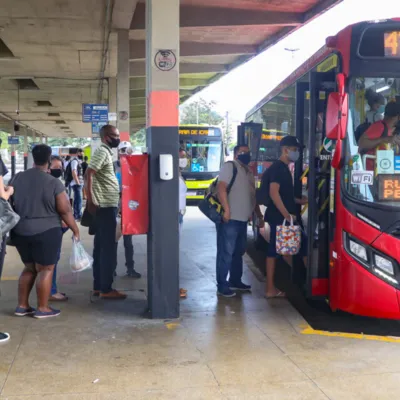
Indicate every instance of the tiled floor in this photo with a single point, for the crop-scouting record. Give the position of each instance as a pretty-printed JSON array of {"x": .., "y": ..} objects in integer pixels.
[{"x": 240, "y": 348}]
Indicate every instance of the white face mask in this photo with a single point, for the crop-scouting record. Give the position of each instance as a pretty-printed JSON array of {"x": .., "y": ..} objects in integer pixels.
[{"x": 183, "y": 162}]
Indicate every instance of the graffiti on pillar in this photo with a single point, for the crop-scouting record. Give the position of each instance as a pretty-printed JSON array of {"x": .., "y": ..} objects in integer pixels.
[{"x": 165, "y": 60}]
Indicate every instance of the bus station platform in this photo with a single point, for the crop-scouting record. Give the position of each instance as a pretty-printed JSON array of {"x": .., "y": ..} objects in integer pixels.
[{"x": 240, "y": 348}]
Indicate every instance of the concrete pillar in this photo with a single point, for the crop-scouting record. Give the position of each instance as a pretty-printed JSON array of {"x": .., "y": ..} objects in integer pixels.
[
  {"x": 162, "y": 84},
  {"x": 26, "y": 149},
  {"x": 122, "y": 104}
]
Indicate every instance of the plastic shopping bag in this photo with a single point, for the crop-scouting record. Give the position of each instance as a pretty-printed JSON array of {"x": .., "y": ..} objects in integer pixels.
[
  {"x": 288, "y": 239},
  {"x": 118, "y": 232},
  {"x": 80, "y": 260}
]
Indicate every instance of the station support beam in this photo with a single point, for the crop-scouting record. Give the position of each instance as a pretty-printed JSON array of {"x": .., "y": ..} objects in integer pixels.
[
  {"x": 26, "y": 149},
  {"x": 162, "y": 93},
  {"x": 123, "y": 85}
]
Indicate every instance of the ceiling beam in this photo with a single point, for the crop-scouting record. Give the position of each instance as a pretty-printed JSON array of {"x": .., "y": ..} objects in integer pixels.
[
  {"x": 194, "y": 49},
  {"x": 123, "y": 12},
  {"x": 140, "y": 83},
  {"x": 199, "y": 16},
  {"x": 138, "y": 68}
]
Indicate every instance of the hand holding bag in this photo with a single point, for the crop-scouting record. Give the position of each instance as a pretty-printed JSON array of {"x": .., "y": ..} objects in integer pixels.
[{"x": 288, "y": 238}]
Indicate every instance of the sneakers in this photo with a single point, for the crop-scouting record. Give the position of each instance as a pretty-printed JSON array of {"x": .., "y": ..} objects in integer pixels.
[
  {"x": 133, "y": 274},
  {"x": 226, "y": 292},
  {"x": 240, "y": 287},
  {"x": 23, "y": 312},
  {"x": 113, "y": 295},
  {"x": 46, "y": 314},
  {"x": 4, "y": 337}
]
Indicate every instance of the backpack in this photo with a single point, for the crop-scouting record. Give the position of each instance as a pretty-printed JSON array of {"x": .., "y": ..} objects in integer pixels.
[
  {"x": 68, "y": 172},
  {"x": 262, "y": 193},
  {"x": 361, "y": 129},
  {"x": 210, "y": 205}
]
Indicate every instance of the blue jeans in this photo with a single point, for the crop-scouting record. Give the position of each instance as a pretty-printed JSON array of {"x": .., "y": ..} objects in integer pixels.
[
  {"x": 54, "y": 289},
  {"x": 231, "y": 246},
  {"x": 77, "y": 201},
  {"x": 129, "y": 252},
  {"x": 104, "y": 250}
]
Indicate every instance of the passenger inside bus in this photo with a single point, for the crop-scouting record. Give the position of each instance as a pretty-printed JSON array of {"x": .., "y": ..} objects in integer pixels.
[{"x": 376, "y": 103}]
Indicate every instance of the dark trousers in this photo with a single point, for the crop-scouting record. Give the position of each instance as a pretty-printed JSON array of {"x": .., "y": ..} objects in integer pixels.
[
  {"x": 104, "y": 251},
  {"x": 77, "y": 189},
  {"x": 231, "y": 246},
  {"x": 129, "y": 252}
]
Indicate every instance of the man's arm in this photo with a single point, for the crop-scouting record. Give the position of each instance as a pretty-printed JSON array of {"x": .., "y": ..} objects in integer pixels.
[
  {"x": 365, "y": 143},
  {"x": 222, "y": 192},
  {"x": 63, "y": 207},
  {"x": 276, "y": 198},
  {"x": 74, "y": 168}
]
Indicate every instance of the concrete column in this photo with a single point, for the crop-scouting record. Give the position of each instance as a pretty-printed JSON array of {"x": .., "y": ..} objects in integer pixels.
[
  {"x": 26, "y": 149},
  {"x": 122, "y": 105},
  {"x": 162, "y": 83}
]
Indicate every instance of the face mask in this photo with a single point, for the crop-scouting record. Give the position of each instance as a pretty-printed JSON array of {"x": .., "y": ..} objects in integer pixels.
[
  {"x": 80, "y": 157},
  {"x": 56, "y": 173},
  {"x": 294, "y": 155},
  {"x": 381, "y": 110},
  {"x": 183, "y": 162},
  {"x": 244, "y": 158},
  {"x": 113, "y": 143}
]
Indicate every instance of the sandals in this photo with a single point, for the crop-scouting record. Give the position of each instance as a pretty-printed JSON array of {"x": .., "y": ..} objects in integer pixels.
[
  {"x": 279, "y": 294},
  {"x": 63, "y": 298}
]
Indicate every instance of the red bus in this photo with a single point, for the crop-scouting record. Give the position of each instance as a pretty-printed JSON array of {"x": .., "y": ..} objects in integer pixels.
[{"x": 353, "y": 216}]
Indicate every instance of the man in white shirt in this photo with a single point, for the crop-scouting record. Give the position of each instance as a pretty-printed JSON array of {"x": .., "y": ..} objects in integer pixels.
[{"x": 76, "y": 183}]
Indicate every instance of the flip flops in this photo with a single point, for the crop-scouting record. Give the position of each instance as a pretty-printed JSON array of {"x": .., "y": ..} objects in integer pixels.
[
  {"x": 279, "y": 295},
  {"x": 63, "y": 298}
]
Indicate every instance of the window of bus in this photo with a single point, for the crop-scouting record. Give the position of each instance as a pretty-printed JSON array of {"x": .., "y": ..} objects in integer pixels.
[
  {"x": 372, "y": 176},
  {"x": 203, "y": 155}
]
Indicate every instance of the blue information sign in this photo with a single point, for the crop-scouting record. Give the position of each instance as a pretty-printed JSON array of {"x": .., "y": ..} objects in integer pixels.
[
  {"x": 95, "y": 113},
  {"x": 96, "y": 126},
  {"x": 13, "y": 140}
]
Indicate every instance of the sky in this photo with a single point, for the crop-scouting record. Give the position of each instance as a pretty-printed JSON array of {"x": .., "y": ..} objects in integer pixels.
[{"x": 243, "y": 88}]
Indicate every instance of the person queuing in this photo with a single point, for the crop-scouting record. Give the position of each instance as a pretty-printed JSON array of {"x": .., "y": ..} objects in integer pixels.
[
  {"x": 102, "y": 203},
  {"x": 125, "y": 148},
  {"x": 84, "y": 168},
  {"x": 281, "y": 206},
  {"x": 183, "y": 162},
  {"x": 74, "y": 177},
  {"x": 40, "y": 200},
  {"x": 238, "y": 207},
  {"x": 56, "y": 172}
]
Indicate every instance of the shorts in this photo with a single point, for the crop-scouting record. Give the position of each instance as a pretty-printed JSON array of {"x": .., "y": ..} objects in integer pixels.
[
  {"x": 42, "y": 248},
  {"x": 271, "y": 252}
]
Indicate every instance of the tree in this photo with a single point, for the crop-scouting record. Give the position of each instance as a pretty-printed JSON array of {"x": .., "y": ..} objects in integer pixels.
[
  {"x": 200, "y": 112},
  {"x": 138, "y": 139}
]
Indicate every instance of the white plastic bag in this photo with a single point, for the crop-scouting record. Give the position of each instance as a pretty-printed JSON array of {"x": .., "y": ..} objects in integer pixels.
[
  {"x": 80, "y": 260},
  {"x": 118, "y": 232}
]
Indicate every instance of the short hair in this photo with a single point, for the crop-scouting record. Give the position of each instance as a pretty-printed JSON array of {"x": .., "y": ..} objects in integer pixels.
[
  {"x": 67, "y": 158},
  {"x": 80, "y": 151},
  {"x": 392, "y": 109},
  {"x": 41, "y": 154},
  {"x": 86, "y": 158},
  {"x": 73, "y": 150},
  {"x": 56, "y": 158},
  {"x": 104, "y": 131}
]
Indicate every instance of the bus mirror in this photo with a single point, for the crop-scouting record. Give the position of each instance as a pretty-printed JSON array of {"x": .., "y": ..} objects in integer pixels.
[{"x": 336, "y": 116}]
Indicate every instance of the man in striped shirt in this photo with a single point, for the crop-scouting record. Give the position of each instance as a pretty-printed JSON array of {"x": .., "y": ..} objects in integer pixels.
[{"x": 102, "y": 202}]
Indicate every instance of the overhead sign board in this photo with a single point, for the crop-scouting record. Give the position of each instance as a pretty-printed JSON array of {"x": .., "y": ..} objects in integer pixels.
[
  {"x": 95, "y": 113},
  {"x": 13, "y": 140},
  {"x": 96, "y": 126}
]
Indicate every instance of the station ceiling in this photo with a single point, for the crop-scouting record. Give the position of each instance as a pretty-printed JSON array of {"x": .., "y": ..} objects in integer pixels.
[{"x": 52, "y": 52}]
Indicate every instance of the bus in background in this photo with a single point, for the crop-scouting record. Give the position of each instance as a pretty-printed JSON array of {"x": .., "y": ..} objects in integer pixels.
[
  {"x": 205, "y": 151},
  {"x": 353, "y": 215}
]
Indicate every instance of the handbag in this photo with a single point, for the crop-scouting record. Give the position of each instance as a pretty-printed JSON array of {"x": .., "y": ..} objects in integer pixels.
[
  {"x": 210, "y": 205},
  {"x": 8, "y": 217},
  {"x": 288, "y": 238}
]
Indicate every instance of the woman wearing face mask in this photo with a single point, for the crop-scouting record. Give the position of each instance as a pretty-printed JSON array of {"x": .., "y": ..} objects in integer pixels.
[
  {"x": 376, "y": 104},
  {"x": 282, "y": 205},
  {"x": 56, "y": 171},
  {"x": 183, "y": 162}
]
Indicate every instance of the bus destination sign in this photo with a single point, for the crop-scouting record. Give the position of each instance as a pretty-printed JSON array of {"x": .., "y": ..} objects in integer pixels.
[
  {"x": 199, "y": 131},
  {"x": 392, "y": 44},
  {"x": 389, "y": 187}
]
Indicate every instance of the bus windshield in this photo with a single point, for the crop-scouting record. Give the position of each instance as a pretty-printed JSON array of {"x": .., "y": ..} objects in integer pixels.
[
  {"x": 373, "y": 175},
  {"x": 203, "y": 155}
]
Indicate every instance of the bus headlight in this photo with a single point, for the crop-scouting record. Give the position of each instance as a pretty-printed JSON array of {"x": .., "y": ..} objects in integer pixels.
[
  {"x": 358, "y": 250},
  {"x": 384, "y": 264}
]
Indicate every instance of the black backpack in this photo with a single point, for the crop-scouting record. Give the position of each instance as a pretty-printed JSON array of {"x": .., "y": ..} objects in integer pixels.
[
  {"x": 262, "y": 193},
  {"x": 361, "y": 129},
  {"x": 68, "y": 172}
]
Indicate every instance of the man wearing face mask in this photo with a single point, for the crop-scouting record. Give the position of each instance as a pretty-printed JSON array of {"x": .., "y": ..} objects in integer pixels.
[
  {"x": 102, "y": 202},
  {"x": 281, "y": 204},
  {"x": 238, "y": 207}
]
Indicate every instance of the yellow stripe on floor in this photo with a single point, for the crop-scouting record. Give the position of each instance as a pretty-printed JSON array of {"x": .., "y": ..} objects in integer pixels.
[
  {"x": 310, "y": 331},
  {"x": 9, "y": 278}
]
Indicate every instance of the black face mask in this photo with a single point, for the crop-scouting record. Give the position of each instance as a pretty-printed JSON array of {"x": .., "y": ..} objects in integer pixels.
[
  {"x": 56, "y": 172},
  {"x": 244, "y": 158},
  {"x": 80, "y": 157},
  {"x": 113, "y": 142}
]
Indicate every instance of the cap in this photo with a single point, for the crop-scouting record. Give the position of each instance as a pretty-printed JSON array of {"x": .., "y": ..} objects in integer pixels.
[
  {"x": 290, "y": 141},
  {"x": 124, "y": 145}
]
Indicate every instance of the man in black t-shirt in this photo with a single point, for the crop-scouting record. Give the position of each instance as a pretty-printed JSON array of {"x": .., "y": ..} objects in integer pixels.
[{"x": 281, "y": 205}]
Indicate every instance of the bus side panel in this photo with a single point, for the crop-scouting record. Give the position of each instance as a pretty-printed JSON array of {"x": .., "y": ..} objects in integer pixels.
[{"x": 352, "y": 288}]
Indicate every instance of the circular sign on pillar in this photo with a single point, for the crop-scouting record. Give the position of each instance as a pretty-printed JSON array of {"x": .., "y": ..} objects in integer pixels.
[
  {"x": 165, "y": 60},
  {"x": 123, "y": 115}
]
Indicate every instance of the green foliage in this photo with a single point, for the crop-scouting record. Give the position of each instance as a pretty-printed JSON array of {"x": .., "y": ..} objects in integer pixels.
[
  {"x": 200, "y": 112},
  {"x": 138, "y": 139}
]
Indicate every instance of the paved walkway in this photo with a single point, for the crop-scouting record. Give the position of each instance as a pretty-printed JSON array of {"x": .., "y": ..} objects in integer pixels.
[{"x": 240, "y": 348}]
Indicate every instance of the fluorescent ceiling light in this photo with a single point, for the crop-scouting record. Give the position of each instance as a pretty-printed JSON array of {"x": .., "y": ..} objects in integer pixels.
[{"x": 382, "y": 89}]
